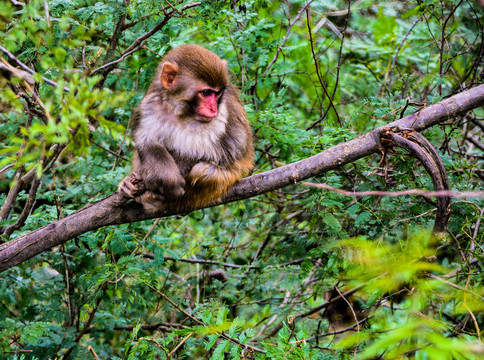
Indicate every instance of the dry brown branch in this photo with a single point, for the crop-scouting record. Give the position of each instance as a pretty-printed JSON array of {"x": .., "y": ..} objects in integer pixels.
[{"x": 115, "y": 209}]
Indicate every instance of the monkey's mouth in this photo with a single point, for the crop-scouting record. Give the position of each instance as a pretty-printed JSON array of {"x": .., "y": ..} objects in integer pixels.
[{"x": 204, "y": 119}]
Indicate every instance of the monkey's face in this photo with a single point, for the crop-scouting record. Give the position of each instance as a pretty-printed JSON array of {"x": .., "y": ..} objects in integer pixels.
[
  {"x": 206, "y": 104},
  {"x": 194, "y": 80},
  {"x": 195, "y": 100}
]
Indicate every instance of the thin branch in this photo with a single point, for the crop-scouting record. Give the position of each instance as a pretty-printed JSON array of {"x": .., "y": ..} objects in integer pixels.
[
  {"x": 333, "y": 300},
  {"x": 8, "y": 167},
  {"x": 198, "y": 321},
  {"x": 279, "y": 49},
  {"x": 26, "y": 68},
  {"x": 47, "y": 15},
  {"x": 398, "y": 50},
  {"x": 179, "y": 344},
  {"x": 118, "y": 60},
  {"x": 108, "y": 150},
  {"x": 443, "y": 39},
  {"x": 444, "y": 193},
  {"x": 139, "y": 42},
  {"x": 474, "y": 141},
  {"x": 118, "y": 29},
  {"x": 350, "y": 306},
  {"x": 340, "y": 331},
  {"x": 455, "y": 286},
  {"x": 229, "y": 265},
  {"x": 318, "y": 73},
  {"x": 29, "y": 205},
  {"x": 346, "y": 12}
]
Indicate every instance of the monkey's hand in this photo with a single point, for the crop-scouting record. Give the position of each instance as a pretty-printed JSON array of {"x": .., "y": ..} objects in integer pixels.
[
  {"x": 158, "y": 190},
  {"x": 131, "y": 186},
  {"x": 134, "y": 187}
]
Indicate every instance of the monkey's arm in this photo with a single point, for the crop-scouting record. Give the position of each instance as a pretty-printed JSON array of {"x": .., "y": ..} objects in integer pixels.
[
  {"x": 159, "y": 171},
  {"x": 155, "y": 176},
  {"x": 209, "y": 181}
]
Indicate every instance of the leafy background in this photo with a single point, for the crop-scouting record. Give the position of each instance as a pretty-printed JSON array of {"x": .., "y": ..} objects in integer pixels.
[{"x": 280, "y": 276}]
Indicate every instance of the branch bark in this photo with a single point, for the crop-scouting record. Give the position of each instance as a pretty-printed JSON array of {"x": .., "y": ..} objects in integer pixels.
[{"x": 114, "y": 209}]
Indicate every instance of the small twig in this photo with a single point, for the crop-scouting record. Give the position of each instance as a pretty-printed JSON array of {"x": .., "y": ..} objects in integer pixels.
[
  {"x": 17, "y": 3},
  {"x": 339, "y": 331},
  {"x": 451, "y": 284},
  {"x": 8, "y": 167},
  {"x": 108, "y": 150},
  {"x": 150, "y": 50},
  {"x": 476, "y": 230},
  {"x": 474, "y": 141},
  {"x": 179, "y": 344},
  {"x": 333, "y": 300},
  {"x": 29, "y": 205},
  {"x": 476, "y": 323},
  {"x": 398, "y": 50},
  {"x": 443, "y": 39},
  {"x": 87, "y": 325},
  {"x": 92, "y": 352},
  {"x": 350, "y": 306},
  {"x": 200, "y": 321},
  {"x": 407, "y": 219},
  {"x": 174, "y": 304},
  {"x": 120, "y": 59}
]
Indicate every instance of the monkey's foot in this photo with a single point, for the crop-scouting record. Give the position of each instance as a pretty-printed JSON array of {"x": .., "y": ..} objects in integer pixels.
[{"x": 131, "y": 186}]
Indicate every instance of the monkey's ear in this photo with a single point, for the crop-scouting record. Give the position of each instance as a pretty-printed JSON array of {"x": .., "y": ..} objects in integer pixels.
[{"x": 168, "y": 75}]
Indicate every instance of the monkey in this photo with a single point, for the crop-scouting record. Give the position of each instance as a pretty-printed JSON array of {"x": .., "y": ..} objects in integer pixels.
[{"x": 192, "y": 138}]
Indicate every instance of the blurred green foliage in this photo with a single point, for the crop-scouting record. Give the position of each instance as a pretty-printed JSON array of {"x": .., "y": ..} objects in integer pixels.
[{"x": 280, "y": 276}]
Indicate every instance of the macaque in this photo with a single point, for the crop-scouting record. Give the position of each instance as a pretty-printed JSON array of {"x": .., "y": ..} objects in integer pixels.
[{"x": 192, "y": 137}]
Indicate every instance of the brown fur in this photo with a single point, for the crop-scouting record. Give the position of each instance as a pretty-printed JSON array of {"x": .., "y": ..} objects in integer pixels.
[{"x": 178, "y": 158}]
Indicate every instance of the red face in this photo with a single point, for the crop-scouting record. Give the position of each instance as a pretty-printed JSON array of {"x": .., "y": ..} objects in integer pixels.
[{"x": 207, "y": 107}]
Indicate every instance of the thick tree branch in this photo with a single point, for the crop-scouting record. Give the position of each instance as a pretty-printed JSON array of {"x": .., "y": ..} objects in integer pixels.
[{"x": 115, "y": 210}]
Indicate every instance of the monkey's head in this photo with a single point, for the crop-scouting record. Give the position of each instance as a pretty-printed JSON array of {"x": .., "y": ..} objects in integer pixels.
[{"x": 195, "y": 78}]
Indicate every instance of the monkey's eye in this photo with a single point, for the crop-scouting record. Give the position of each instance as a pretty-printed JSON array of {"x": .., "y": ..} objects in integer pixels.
[{"x": 207, "y": 92}]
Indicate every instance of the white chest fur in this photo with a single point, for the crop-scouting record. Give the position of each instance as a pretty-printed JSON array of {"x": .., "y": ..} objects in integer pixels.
[{"x": 189, "y": 138}]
